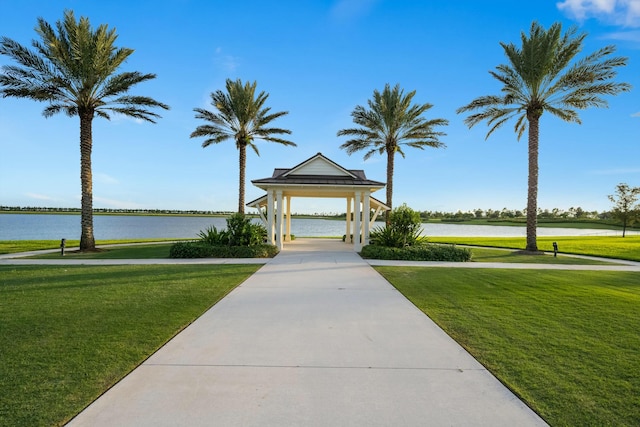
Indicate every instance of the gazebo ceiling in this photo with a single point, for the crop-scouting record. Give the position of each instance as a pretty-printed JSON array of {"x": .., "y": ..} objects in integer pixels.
[{"x": 261, "y": 202}]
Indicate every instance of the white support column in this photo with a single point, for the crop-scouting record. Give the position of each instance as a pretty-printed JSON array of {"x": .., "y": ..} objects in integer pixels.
[
  {"x": 270, "y": 217},
  {"x": 357, "y": 245},
  {"x": 280, "y": 212},
  {"x": 288, "y": 236},
  {"x": 348, "y": 234},
  {"x": 366, "y": 215}
]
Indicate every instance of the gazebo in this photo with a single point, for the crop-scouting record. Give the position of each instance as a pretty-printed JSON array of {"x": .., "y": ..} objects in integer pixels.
[{"x": 318, "y": 176}]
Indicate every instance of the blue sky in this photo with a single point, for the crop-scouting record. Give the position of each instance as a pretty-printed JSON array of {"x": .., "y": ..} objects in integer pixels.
[{"x": 318, "y": 60}]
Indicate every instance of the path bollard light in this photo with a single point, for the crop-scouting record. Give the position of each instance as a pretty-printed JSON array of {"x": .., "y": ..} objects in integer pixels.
[
  {"x": 555, "y": 249},
  {"x": 62, "y": 245}
]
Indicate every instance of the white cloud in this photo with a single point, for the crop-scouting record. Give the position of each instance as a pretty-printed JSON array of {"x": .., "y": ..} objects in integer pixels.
[
  {"x": 619, "y": 171},
  {"x": 39, "y": 196},
  {"x": 619, "y": 12},
  {"x": 347, "y": 9},
  {"x": 227, "y": 62},
  {"x": 629, "y": 36},
  {"x": 103, "y": 178}
]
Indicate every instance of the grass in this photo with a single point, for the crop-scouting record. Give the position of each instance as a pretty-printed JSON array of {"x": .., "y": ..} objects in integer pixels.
[
  {"x": 542, "y": 223},
  {"x": 581, "y": 223},
  {"x": 480, "y": 254},
  {"x": 600, "y": 246},
  {"x": 566, "y": 342},
  {"x": 138, "y": 251},
  {"x": 161, "y": 251},
  {"x": 14, "y": 246},
  {"x": 69, "y": 333}
]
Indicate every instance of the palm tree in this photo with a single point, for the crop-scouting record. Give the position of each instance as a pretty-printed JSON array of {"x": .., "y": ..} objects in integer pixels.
[
  {"x": 74, "y": 70},
  {"x": 390, "y": 122},
  {"x": 540, "y": 77},
  {"x": 241, "y": 116}
]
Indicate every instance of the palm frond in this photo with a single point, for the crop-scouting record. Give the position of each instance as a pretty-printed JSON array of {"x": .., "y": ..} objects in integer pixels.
[
  {"x": 240, "y": 114},
  {"x": 482, "y": 102},
  {"x": 390, "y": 120},
  {"x": 540, "y": 77},
  {"x": 53, "y": 109},
  {"x": 565, "y": 114},
  {"x": 134, "y": 112},
  {"x": 214, "y": 132},
  {"x": 371, "y": 152},
  {"x": 355, "y": 145},
  {"x": 279, "y": 141},
  {"x": 119, "y": 84},
  {"x": 73, "y": 67}
]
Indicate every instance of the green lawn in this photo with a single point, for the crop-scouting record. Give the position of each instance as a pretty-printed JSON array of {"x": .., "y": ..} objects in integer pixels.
[
  {"x": 542, "y": 223},
  {"x": 138, "y": 251},
  {"x": 142, "y": 251},
  {"x": 600, "y": 246},
  {"x": 13, "y": 246},
  {"x": 566, "y": 342},
  {"x": 481, "y": 254},
  {"x": 68, "y": 333}
]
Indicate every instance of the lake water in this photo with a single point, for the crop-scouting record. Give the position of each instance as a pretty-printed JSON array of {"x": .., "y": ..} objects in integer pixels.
[{"x": 112, "y": 227}]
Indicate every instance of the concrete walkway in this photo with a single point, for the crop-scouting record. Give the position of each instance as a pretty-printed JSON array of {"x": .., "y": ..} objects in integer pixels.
[{"x": 316, "y": 337}]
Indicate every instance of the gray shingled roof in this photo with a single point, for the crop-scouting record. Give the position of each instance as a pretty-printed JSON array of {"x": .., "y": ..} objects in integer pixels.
[{"x": 277, "y": 178}]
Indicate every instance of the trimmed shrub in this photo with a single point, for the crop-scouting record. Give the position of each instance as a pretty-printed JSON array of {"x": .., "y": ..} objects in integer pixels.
[
  {"x": 255, "y": 251},
  {"x": 197, "y": 249},
  {"x": 421, "y": 252},
  {"x": 193, "y": 249}
]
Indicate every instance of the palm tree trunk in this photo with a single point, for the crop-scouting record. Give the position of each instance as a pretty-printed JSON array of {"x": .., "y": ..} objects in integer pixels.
[
  {"x": 390, "y": 165},
  {"x": 87, "y": 241},
  {"x": 243, "y": 165},
  {"x": 532, "y": 197}
]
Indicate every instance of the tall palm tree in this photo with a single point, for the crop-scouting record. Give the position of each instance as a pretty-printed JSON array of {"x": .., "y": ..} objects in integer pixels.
[
  {"x": 539, "y": 77},
  {"x": 241, "y": 116},
  {"x": 74, "y": 70},
  {"x": 390, "y": 122}
]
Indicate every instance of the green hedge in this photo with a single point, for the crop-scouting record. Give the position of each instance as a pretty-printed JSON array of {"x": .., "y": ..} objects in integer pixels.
[
  {"x": 203, "y": 250},
  {"x": 424, "y": 252}
]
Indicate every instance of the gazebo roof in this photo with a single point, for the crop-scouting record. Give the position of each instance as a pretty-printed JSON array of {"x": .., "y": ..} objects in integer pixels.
[{"x": 318, "y": 176}]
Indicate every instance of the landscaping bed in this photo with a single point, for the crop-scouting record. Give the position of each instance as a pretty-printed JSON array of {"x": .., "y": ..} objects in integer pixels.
[{"x": 422, "y": 252}]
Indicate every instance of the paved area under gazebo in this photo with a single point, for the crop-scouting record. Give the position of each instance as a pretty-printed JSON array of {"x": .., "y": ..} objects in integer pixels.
[{"x": 321, "y": 177}]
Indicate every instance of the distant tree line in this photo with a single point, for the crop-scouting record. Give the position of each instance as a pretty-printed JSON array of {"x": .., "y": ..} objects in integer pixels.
[
  {"x": 490, "y": 214},
  {"x": 113, "y": 210},
  {"x": 504, "y": 213}
]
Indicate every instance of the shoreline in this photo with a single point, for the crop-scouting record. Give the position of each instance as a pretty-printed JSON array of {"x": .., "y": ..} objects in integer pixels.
[{"x": 542, "y": 223}]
